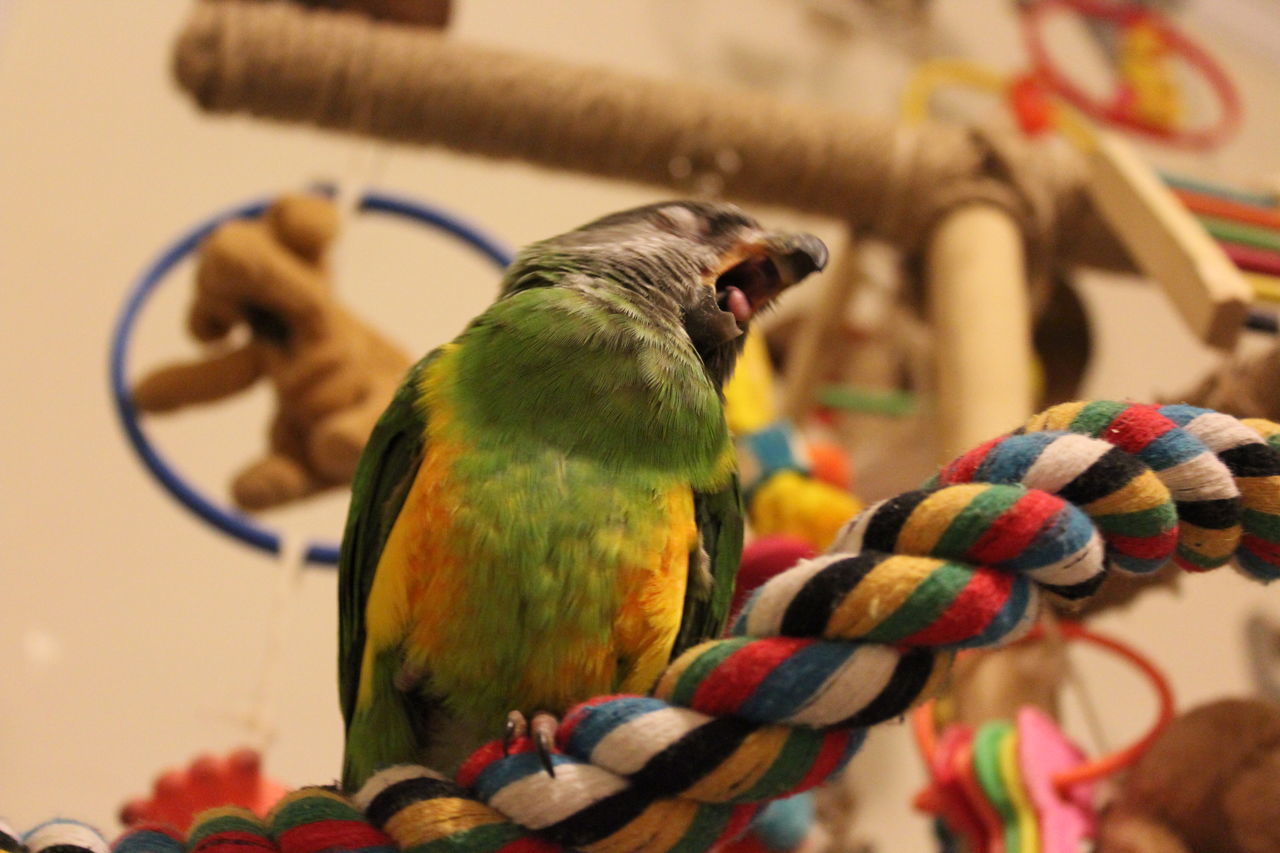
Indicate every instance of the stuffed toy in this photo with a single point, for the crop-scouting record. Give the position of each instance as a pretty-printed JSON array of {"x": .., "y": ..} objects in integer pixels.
[
  {"x": 332, "y": 374},
  {"x": 1209, "y": 784}
]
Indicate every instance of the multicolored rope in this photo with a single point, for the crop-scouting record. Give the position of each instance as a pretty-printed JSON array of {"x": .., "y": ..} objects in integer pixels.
[
  {"x": 1125, "y": 500},
  {"x": 1202, "y": 488},
  {"x": 9, "y": 840},
  {"x": 1255, "y": 465},
  {"x": 1015, "y": 531},
  {"x": 823, "y": 650},
  {"x": 61, "y": 836},
  {"x": 150, "y": 838}
]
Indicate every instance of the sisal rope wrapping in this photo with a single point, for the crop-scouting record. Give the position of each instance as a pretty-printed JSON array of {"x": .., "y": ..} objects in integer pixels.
[
  {"x": 410, "y": 85},
  {"x": 820, "y": 652}
]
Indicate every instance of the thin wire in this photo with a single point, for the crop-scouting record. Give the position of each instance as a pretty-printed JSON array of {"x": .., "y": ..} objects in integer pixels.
[
  {"x": 366, "y": 163},
  {"x": 1089, "y": 709},
  {"x": 1112, "y": 762},
  {"x": 234, "y": 524},
  {"x": 261, "y": 716}
]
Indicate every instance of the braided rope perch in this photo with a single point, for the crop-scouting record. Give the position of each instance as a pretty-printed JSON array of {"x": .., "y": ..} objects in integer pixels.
[{"x": 824, "y": 650}]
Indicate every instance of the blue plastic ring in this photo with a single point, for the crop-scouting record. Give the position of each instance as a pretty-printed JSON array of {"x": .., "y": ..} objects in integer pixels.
[{"x": 233, "y": 523}]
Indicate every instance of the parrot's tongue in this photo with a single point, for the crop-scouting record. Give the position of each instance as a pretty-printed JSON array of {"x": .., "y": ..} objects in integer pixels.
[
  {"x": 737, "y": 303},
  {"x": 768, "y": 264},
  {"x": 747, "y": 286}
]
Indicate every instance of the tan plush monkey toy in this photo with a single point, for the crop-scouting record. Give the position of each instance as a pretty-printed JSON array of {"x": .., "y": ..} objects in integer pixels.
[{"x": 332, "y": 374}]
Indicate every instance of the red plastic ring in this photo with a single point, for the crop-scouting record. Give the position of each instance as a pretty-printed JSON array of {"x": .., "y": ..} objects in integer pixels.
[
  {"x": 922, "y": 722},
  {"x": 1116, "y": 112}
]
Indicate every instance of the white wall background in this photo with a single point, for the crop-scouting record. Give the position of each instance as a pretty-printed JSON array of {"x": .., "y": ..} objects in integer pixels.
[{"x": 133, "y": 637}]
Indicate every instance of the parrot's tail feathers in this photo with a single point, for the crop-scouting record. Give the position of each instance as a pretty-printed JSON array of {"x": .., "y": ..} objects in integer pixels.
[
  {"x": 392, "y": 727},
  {"x": 377, "y": 737}
]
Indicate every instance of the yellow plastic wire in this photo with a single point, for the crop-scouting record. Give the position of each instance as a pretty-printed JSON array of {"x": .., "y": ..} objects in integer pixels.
[{"x": 934, "y": 74}]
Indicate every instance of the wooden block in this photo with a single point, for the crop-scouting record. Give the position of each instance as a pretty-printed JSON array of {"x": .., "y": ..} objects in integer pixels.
[{"x": 1167, "y": 242}]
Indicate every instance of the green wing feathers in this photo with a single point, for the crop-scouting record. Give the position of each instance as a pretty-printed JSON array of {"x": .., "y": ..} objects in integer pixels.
[
  {"x": 720, "y": 527},
  {"x": 386, "y": 471}
]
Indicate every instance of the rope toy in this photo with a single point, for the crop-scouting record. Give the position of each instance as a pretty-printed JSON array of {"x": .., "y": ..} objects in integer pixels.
[
  {"x": 820, "y": 652},
  {"x": 1159, "y": 481},
  {"x": 1221, "y": 475}
]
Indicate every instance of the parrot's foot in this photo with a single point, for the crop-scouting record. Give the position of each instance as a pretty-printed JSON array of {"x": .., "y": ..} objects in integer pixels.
[
  {"x": 408, "y": 677},
  {"x": 541, "y": 730}
]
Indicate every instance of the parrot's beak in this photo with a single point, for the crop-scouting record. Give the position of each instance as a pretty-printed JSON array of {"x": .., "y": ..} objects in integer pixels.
[
  {"x": 763, "y": 266},
  {"x": 796, "y": 256}
]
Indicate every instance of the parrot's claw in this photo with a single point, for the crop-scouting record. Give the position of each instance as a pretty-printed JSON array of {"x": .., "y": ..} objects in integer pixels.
[
  {"x": 516, "y": 728},
  {"x": 542, "y": 731}
]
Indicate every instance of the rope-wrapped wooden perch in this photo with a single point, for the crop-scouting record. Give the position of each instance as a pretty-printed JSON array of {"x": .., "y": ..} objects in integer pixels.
[{"x": 410, "y": 85}]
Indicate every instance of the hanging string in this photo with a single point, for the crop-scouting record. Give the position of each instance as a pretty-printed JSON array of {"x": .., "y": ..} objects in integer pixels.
[
  {"x": 366, "y": 161},
  {"x": 1088, "y": 708},
  {"x": 260, "y": 719}
]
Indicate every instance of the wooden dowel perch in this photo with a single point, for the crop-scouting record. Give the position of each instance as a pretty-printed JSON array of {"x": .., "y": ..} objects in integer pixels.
[{"x": 980, "y": 313}]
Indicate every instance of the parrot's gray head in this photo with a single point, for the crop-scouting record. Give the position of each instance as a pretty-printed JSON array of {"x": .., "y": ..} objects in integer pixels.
[{"x": 705, "y": 266}]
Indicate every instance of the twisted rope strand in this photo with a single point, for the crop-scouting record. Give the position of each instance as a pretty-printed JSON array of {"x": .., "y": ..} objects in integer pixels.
[
  {"x": 1203, "y": 490},
  {"x": 1131, "y": 508}
]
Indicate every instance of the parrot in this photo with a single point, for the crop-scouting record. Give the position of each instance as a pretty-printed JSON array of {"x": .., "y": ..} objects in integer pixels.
[{"x": 549, "y": 508}]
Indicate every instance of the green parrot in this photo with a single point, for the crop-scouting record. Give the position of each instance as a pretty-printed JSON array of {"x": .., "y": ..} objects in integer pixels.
[{"x": 549, "y": 509}]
